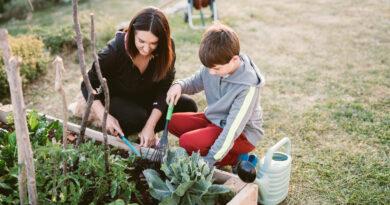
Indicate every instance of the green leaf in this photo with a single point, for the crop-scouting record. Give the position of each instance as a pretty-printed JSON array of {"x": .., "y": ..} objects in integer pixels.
[
  {"x": 169, "y": 158},
  {"x": 187, "y": 200},
  {"x": 10, "y": 119},
  {"x": 181, "y": 153},
  {"x": 3, "y": 135},
  {"x": 217, "y": 189},
  {"x": 33, "y": 120},
  {"x": 158, "y": 189},
  {"x": 172, "y": 200},
  {"x": 12, "y": 139},
  {"x": 5, "y": 186},
  {"x": 170, "y": 186},
  {"x": 183, "y": 187},
  {"x": 114, "y": 188},
  {"x": 117, "y": 202},
  {"x": 201, "y": 187},
  {"x": 209, "y": 200}
]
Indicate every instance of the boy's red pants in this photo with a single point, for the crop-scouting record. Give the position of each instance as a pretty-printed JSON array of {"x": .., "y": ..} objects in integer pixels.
[{"x": 195, "y": 133}]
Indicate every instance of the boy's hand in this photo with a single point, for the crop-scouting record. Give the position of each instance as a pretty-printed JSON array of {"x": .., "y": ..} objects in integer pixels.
[{"x": 173, "y": 94}]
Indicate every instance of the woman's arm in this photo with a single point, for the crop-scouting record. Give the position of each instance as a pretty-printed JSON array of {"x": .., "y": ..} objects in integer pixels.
[{"x": 107, "y": 60}]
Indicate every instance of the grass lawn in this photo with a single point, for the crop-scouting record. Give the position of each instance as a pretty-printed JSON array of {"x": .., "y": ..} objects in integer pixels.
[{"x": 327, "y": 71}]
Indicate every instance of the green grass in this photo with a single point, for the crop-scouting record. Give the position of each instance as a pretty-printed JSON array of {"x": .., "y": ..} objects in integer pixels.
[
  {"x": 327, "y": 71},
  {"x": 365, "y": 123},
  {"x": 343, "y": 177}
]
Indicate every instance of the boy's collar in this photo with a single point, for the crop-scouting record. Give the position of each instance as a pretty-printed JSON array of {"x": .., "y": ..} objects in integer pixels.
[{"x": 238, "y": 69}]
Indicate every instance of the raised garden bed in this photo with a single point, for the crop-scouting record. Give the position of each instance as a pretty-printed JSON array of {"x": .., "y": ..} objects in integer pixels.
[{"x": 244, "y": 193}]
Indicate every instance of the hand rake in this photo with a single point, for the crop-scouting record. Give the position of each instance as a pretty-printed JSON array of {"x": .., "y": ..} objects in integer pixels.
[{"x": 162, "y": 145}]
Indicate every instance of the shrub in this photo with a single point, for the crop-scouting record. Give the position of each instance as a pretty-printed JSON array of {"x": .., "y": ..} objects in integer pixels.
[
  {"x": 17, "y": 9},
  {"x": 62, "y": 38},
  {"x": 34, "y": 60}
]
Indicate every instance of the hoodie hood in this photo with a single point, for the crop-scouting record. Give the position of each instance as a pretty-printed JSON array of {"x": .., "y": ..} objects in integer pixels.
[{"x": 247, "y": 74}]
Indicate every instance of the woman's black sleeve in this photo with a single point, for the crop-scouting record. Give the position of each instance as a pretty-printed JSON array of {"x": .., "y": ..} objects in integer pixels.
[{"x": 106, "y": 58}]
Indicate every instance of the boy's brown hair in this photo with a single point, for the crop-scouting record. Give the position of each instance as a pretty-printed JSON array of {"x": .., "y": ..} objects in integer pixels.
[{"x": 218, "y": 46}]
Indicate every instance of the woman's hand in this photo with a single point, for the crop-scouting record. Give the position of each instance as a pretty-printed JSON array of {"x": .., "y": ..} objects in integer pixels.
[
  {"x": 147, "y": 137},
  {"x": 173, "y": 94},
  {"x": 112, "y": 125}
]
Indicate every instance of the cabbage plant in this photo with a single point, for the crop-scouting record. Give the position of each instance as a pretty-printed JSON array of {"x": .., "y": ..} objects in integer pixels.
[{"x": 188, "y": 180}]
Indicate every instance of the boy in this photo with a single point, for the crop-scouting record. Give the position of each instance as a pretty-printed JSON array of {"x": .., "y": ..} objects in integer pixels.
[{"x": 231, "y": 124}]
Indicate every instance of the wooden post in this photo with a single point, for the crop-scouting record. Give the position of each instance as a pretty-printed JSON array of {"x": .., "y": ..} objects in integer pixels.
[
  {"x": 31, "y": 5},
  {"x": 80, "y": 51},
  {"x": 59, "y": 66},
  {"x": 106, "y": 92},
  {"x": 25, "y": 154}
]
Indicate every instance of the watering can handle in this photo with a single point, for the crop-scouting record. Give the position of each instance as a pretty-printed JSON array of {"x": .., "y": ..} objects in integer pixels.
[{"x": 268, "y": 156}]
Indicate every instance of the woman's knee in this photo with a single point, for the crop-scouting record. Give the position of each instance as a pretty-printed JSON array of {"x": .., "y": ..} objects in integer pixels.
[
  {"x": 130, "y": 116},
  {"x": 186, "y": 104}
]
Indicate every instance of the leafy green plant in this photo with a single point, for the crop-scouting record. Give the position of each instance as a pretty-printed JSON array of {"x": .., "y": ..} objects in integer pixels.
[
  {"x": 188, "y": 180},
  {"x": 62, "y": 38},
  {"x": 8, "y": 168},
  {"x": 86, "y": 180},
  {"x": 41, "y": 130}
]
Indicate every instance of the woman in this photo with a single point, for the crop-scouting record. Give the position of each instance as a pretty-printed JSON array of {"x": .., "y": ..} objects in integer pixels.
[{"x": 139, "y": 67}]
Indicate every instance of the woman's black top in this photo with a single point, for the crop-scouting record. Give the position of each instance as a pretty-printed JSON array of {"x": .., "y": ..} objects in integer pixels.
[{"x": 125, "y": 80}]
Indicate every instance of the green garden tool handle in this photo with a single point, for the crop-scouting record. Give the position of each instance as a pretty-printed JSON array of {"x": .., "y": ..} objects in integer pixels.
[
  {"x": 169, "y": 112},
  {"x": 132, "y": 148},
  {"x": 164, "y": 139}
]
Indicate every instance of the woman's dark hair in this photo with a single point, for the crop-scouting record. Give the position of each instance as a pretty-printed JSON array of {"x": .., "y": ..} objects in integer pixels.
[{"x": 153, "y": 19}]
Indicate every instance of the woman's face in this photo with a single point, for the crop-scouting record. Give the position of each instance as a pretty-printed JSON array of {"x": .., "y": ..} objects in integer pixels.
[{"x": 146, "y": 42}]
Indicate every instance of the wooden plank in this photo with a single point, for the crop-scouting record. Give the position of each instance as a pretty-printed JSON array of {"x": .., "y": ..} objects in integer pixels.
[
  {"x": 222, "y": 176},
  {"x": 235, "y": 184},
  {"x": 247, "y": 195}
]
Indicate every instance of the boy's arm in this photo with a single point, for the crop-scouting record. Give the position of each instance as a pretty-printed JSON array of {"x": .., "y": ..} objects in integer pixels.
[
  {"x": 192, "y": 84},
  {"x": 239, "y": 114}
]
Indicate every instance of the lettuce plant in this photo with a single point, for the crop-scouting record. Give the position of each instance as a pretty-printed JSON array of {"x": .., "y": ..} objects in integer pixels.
[{"x": 188, "y": 180}]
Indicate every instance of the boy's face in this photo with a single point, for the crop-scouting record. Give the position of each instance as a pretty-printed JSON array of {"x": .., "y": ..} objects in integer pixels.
[{"x": 226, "y": 69}]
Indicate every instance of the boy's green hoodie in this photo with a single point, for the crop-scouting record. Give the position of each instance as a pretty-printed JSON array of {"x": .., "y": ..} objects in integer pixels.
[{"x": 232, "y": 104}]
